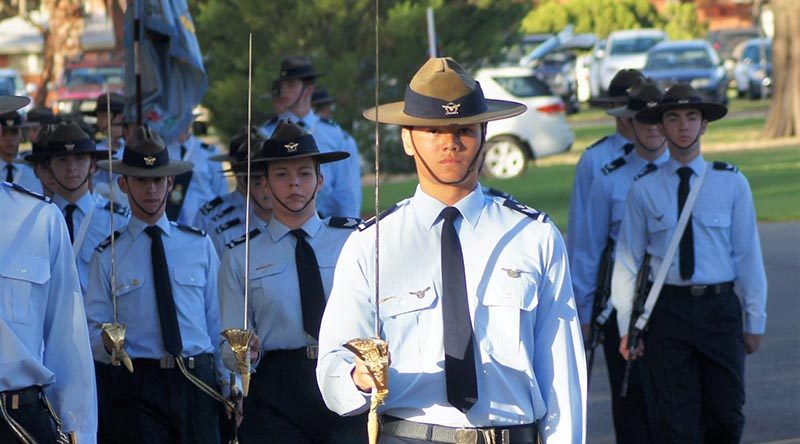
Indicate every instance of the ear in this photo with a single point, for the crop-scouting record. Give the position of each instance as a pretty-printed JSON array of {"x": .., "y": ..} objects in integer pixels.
[
  {"x": 408, "y": 145},
  {"x": 170, "y": 182},
  {"x": 93, "y": 166},
  {"x": 703, "y": 127},
  {"x": 122, "y": 181},
  {"x": 320, "y": 181}
]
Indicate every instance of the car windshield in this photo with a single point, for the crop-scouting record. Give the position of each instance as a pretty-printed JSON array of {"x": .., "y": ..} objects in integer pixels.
[
  {"x": 93, "y": 76},
  {"x": 525, "y": 86},
  {"x": 753, "y": 52},
  {"x": 7, "y": 86},
  {"x": 685, "y": 58},
  {"x": 635, "y": 45}
]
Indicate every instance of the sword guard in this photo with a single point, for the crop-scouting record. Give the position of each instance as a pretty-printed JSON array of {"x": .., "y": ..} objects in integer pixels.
[
  {"x": 239, "y": 341},
  {"x": 115, "y": 332}
]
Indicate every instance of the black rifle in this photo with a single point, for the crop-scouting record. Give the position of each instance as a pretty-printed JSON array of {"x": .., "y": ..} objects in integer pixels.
[
  {"x": 635, "y": 334},
  {"x": 601, "y": 293}
]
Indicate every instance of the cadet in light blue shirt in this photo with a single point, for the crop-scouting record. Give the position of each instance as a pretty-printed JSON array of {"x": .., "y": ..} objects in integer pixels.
[
  {"x": 341, "y": 195},
  {"x": 10, "y": 138},
  {"x": 502, "y": 293}
]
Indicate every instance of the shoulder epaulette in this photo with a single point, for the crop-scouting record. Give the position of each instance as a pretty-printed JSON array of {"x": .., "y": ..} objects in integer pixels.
[
  {"x": 649, "y": 168},
  {"x": 222, "y": 213},
  {"x": 371, "y": 221},
  {"x": 228, "y": 224},
  {"x": 627, "y": 148},
  {"x": 211, "y": 204},
  {"x": 206, "y": 146},
  {"x": 496, "y": 193},
  {"x": 344, "y": 222},
  {"x": 189, "y": 229},
  {"x": 526, "y": 210},
  {"x": 725, "y": 166},
  {"x": 328, "y": 121},
  {"x": 103, "y": 245},
  {"x": 21, "y": 189},
  {"x": 240, "y": 240},
  {"x": 118, "y": 209},
  {"x": 597, "y": 142},
  {"x": 612, "y": 166}
]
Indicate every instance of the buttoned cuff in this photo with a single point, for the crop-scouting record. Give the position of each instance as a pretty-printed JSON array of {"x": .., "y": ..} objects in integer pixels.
[
  {"x": 755, "y": 325},
  {"x": 349, "y": 399}
]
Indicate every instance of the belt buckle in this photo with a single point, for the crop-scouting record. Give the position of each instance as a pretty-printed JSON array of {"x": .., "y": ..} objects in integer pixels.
[
  {"x": 489, "y": 436},
  {"x": 190, "y": 362},
  {"x": 167, "y": 362},
  {"x": 312, "y": 351},
  {"x": 698, "y": 290},
  {"x": 466, "y": 436}
]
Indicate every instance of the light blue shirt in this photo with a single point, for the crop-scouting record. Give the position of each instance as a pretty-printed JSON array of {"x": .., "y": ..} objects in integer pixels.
[
  {"x": 193, "y": 268},
  {"x": 604, "y": 209},
  {"x": 232, "y": 229},
  {"x": 274, "y": 308},
  {"x": 527, "y": 337},
  {"x": 726, "y": 245},
  {"x": 43, "y": 336},
  {"x": 341, "y": 193},
  {"x": 588, "y": 168},
  {"x": 231, "y": 204},
  {"x": 99, "y": 227},
  {"x": 207, "y": 178},
  {"x": 23, "y": 175}
]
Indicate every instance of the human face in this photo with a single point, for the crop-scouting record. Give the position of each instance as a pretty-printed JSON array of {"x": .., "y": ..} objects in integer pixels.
[
  {"x": 116, "y": 124},
  {"x": 683, "y": 127},
  {"x": 71, "y": 172},
  {"x": 294, "y": 93},
  {"x": 10, "y": 138},
  {"x": 31, "y": 133},
  {"x": 445, "y": 155},
  {"x": 147, "y": 195},
  {"x": 648, "y": 135},
  {"x": 292, "y": 185},
  {"x": 49, "y": 184},
  {"x": 258, "y": 190}
]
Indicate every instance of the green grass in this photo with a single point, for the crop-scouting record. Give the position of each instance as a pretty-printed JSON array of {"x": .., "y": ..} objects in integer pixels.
[{"x": 774, "y": 176}]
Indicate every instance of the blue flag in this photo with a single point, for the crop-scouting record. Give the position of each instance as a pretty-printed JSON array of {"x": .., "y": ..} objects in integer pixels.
[{"x": 174, "y": 79}]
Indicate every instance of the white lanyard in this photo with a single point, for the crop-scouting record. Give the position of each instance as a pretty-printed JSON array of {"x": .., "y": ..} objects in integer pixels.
[
  {"x": 81, "y": 236},
  {"x": 189, "y": 150}
]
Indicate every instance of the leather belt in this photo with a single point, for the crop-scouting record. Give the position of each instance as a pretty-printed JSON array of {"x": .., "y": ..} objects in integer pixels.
[
  {"x": 699, "y": 290},
  {"x": 310, "y": 352},
  {"x": 168, "y": 362},
  {"x": 14, "y": 399},
  {"x": 522, "y": 434}
]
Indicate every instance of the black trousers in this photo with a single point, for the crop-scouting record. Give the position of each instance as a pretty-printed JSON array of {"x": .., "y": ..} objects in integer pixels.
[
  {"x": 102, "y": 373},
  {"x": 285, "y": 405},
  {"x": 695, "y": 351},
  {"x": 634, "y": 414},
  {"x": 32, "y": 416},
  {"x": 161, "y": 406}
]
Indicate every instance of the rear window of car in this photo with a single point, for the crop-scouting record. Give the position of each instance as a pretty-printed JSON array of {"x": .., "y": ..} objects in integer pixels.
[
  {"x": 526, "y": 86},
  {"x": 634, "y": 45},
  {"x": 93, "y": 76},
  {"x": 684, "y": 58}
]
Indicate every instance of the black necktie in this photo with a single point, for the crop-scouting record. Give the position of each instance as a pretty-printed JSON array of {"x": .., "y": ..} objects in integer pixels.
[
  {"x": 312, "y": 295},
  {"x": 301, "y": 123},
  {"x": 68, "y": 211},
  {"x": 459, "y": 356},
  {"x": 687, "y": 240},
  {"x": 9, "y": 173},
  {"x": 167, "y": 314},
  {"x": 183, "y": 152}
]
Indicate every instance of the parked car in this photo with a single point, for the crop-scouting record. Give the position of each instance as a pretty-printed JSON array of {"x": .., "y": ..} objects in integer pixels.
[
  {"x": 690, "y": 61},
  {"x": 753, "y": 71},
  {"x": 82, "y": 82},
  {"x": 541, "y": 131},
  {"x": 624, "y": 50}
]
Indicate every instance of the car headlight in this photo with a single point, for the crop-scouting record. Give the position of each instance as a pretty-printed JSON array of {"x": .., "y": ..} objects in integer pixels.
[
  {"x": 65, "y": 107},
  {"x": 700, "y": 83}
]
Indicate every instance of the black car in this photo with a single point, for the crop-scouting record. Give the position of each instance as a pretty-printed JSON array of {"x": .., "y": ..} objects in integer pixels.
[{"x": 690, "y": 61}]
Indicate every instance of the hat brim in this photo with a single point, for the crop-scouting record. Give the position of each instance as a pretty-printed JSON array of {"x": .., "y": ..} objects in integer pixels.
[
  {"x": 174, "y": 168},
  {"x": 711, "y": 111},
  {"x": 332, "y": 156},
  {"x": 393, "y": 114},
  {"x": 301, "y": 77},
  {"x": 222, "y": 158},
  {"x": 605, "y": 101},
  {"x": 29, "y": 159},
  {"x": 12, "y": 103},
  {"x": 622, "y": 112}
]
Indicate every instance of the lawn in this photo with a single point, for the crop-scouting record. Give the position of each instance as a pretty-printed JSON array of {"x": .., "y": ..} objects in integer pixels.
[{"x": 774, "y": 176}]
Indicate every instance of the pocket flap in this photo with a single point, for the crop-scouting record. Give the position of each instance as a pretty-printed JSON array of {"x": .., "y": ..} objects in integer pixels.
[
  {"x": 660, "y": 222},
  {"x": 193, "y": 277},
  {"x": 127, "y": 283},
  {"x": 267, "y": 269},
  {"x": 716, "y": 219},
  {"x": 411, "y": 298},
  {"x": 28, "y": 268},
  {"x": 512, "y": 287}
]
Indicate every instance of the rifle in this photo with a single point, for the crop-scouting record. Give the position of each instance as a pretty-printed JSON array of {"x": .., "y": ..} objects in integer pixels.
[
  {"x": 601, "y": 310},
  {"x": 634, "y": 333}
]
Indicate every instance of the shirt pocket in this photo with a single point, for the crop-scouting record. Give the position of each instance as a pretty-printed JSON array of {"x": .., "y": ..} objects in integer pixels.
[
  {"x": 511, "y": 299},
  {"x": 659, "y": 229},
  {"x": 189, "y": 294},
  {"x": 408, "y": 316},
  {"x": 267, "y": 282},
  {"x": 129, "y": 298},
  {"x": 19, "y": 303},
  {"x": 717, "y": 220}
]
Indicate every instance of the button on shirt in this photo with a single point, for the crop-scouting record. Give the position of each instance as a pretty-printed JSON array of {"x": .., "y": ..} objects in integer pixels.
[
  {"x": 42, "y": 323},
  {"x": 98, "y": 229},
  {"x": 207, "y": 179},
  {"x": 341, "y": 193},
  {"x": 527, "y": 336},
  {"x": 193, "y": 267},
  {"x": 23, "y": 175},
  {"x": 726, "y": 241},
  {"x": 604, "y": 209}
]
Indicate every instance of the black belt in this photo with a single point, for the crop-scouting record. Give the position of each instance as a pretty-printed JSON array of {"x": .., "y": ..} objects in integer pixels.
[
  {"x": 168, "y": 362},
  {"x": 522, "y": 434},
  {"x": 14, "y": 399},
  {"x": 307, "y": 352},
  {"x": 699, "y": 290}
]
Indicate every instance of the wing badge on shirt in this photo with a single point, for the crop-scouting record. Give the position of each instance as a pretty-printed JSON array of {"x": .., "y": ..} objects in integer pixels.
[
  {"x": 263, "y": 267},
  {"x": 420, "y": 293},
  {"x": 658, "y": 218},
  {"x": 512, "y": 272}
]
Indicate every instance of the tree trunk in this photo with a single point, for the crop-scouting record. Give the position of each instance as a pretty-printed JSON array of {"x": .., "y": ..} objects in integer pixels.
[
  {"x": 783, "y": 119},
  {"x": 62, "y": 41},
  {"x": 117, "y": 15}
]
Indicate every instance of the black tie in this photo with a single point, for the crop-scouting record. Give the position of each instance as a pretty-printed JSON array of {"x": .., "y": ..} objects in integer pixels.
[
  {"x": 10, "y": 173},
  {"x": 687, "y": 240},
  {"x": 68, "y": 211},
  {"x": 301, "y": 123},
  {"x": 312, "y": 295},
  {"x": 459, "y": 356},
  {"x": 183, "y": 152},
  {"x": 167, "y": 314}
]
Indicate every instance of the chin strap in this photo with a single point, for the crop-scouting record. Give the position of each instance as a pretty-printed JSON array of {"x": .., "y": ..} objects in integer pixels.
[
  {"x": 644, "y": 147},
  {"x": 149, "y": 213},
  {"x": 83, "y": 182},
  {"x": 313, "y": 196},
  {"x": 684, "y": 148},
  {"x": 471, "y": 164}
]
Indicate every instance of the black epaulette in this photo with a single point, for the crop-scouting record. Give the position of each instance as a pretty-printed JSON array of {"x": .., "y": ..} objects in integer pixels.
[
  {"x": 614, "y": 165},
  {"x": 496, "y": 193},
  {"x": 725, "y": 166},
  {"x": 21, "y": 189},
  {"x": 526, "y": 210},
  {"x": 649, "y": 168},
  {"x": 240, "y": 240},
  {"x": 103, "y": 245},
  {"x": 189, "y": 229},
  {"x": 122, "y": 210},
  {"x": 211, "y": 204},
  {"x": 228, "y": 224},
  {"x": 627, "y": 148},
  {"x": 344, "y": 222},
  {"x": 597, "y": 142},
  {"x": 222, "y": 213},
  {"x": 371, "y": 221},
  {"x": 206, "y": 146},
  {"x": 328, "y": 121}
]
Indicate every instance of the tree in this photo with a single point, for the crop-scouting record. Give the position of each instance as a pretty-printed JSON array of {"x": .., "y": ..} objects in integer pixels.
[{"x": 783, "y": 119}]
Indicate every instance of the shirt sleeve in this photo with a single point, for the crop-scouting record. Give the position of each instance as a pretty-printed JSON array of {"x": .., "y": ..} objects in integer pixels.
[
  {"x": 580, "y": 188},
  {"x": 346, "y": 186},
  {"x": 99, "y": 308},
  {"x": 212, "y": 309},
  {"x": 631, "y": 246},
  {"x": 231, "y": 302},
  {"x": 559, "y": 367},
  {"x": 67, "y": 352},
  {"x": 751, "y": 280}
]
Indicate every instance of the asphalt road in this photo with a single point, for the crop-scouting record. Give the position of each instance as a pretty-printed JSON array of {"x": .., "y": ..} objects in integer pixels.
[{"x": 772, "y": 374}]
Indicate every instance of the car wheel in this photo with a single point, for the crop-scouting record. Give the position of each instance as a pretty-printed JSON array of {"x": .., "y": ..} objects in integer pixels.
[{"x": 506, "y": 157}]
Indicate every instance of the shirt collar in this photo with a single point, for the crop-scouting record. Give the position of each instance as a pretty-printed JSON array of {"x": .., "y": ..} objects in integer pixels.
[
  {"x": 638, "y": 162},
  {"x": 309, "y": 120},
  {"x": 136, "y": 226},
  {"x": 428, "y": 208},
  {"x": 277, "y": 230},
  {"x": 618, "y": 140},
  {"x": 84, "y": 203},
  {"x": 698, "y": 165}
]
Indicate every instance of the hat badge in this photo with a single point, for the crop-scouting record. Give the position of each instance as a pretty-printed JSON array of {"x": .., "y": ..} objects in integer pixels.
[
  {"x": 451, "y": 109},
  {"x": 149, "y": 160},
  {"x": 651, "y": 104},
  {"x": 10, "y": 122},
  {"x": 69, "y": 146},
  {"x": 682, "y": 101},
  {"x": 292, "y": 147}
]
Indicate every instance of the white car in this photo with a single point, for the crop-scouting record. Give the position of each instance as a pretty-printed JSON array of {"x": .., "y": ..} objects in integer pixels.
[
  {"x": 624, "y": 50},
  {"x": 540, "y": 131}
]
